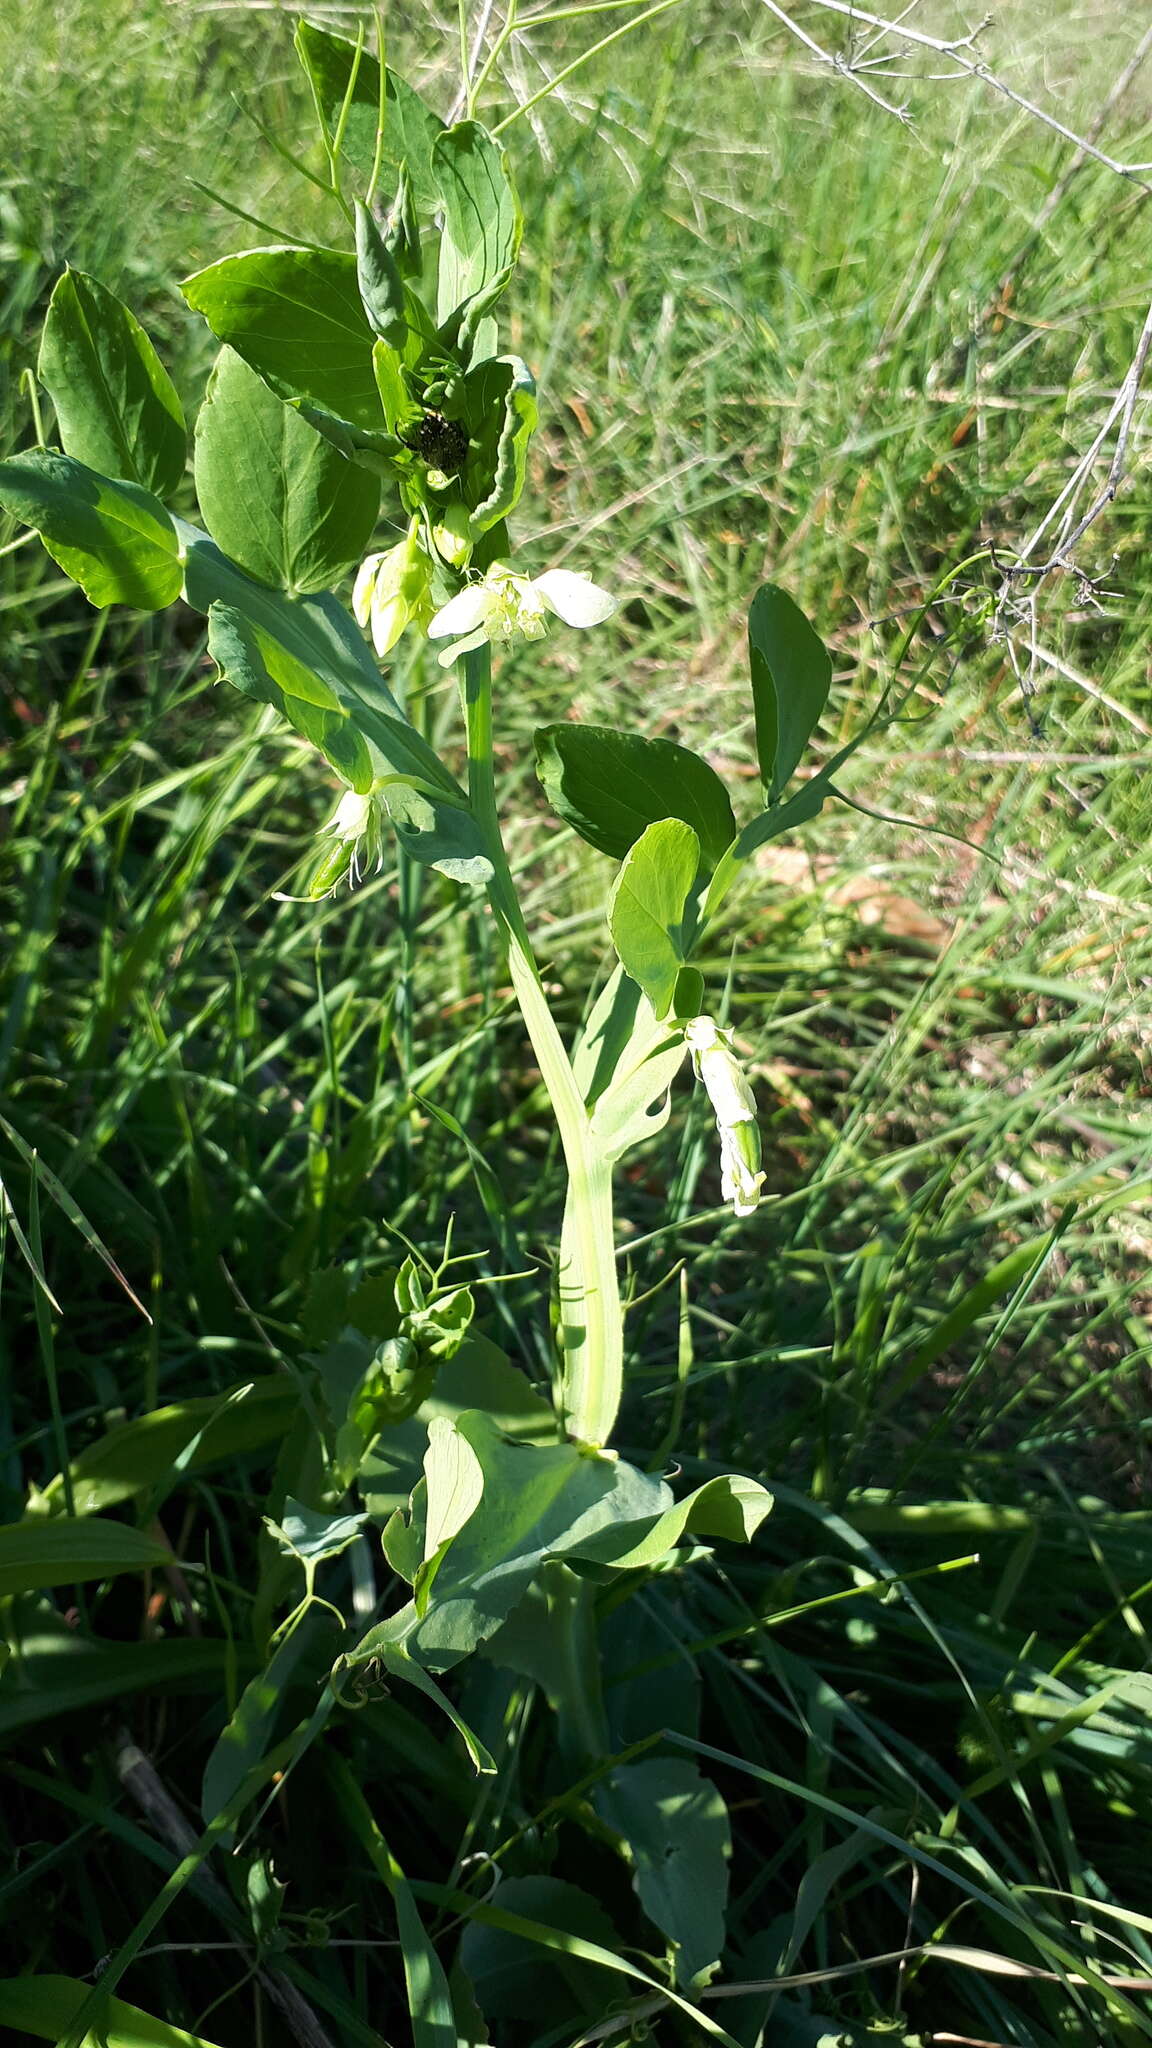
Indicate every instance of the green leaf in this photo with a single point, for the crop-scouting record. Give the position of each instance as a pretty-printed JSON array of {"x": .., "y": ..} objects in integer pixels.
[
  {"x": 625, "y": 1063},
  {"x": 135, "y": 1457},
  {"x": 381, "y": 285},
  {"x": 290, "y": 668},
  {"x": 479, "y": 1376},
  {"x": 482, "y": 221},
  {"x": 311, "y": 1535},
  {"x": 114, "y": 539},
  {"x": 245, "y": 1738},
  {"x": 646, "y": 911},
  {"x": 514, "y": 1978},
  {"x": 47, "y": 2006},
  {"x": 410, "y": 127},
  {"x": 538, "y": 1501},
  {"x": 676, "y": 1827},
  {"x": 276, "y": 496},
  {"x": 455, "y": 1481},
  {"x": 791, "y": 675},
  {"x": 295, "y": 315},
  {"x": 730, "y": 1506},
  {"x": 499, "y": 400},
  {"x": 610, "y": 786},
  {"x": 39, "y": 1553},
  {"x": 57, "y": 1671},
  {"x": 317, "y": 630},
  {"x": 443, "y": 836},
  {"x": 116, "y": 406}
]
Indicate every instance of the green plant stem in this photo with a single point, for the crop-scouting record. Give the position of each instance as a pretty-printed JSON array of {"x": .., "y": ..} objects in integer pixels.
[{"x": 591, "y": 1318}]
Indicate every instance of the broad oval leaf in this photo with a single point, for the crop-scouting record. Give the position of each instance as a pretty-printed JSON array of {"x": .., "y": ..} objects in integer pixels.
[
  {"x": 39, "y": 1553},
  {"x": 791, "y": 675},
  {"x": 295, "y": 315},
  {"x": 275, "y": 495},
  {"x": 675, "y": 1824},
  {"x": 410, "y": 127},
  {"x": 646, "y": 911},
  {"x": 116, "y": 406},
  {"x": 113, "y": 538},
  {"x": 610, "y": 786},
  {"x": 482, "y": 220}
]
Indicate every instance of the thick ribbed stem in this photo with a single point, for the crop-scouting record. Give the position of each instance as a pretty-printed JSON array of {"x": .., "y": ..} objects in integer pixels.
[{"x": 591, "y": 1332}]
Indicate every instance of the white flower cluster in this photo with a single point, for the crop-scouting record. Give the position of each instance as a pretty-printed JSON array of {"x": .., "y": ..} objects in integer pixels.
[{"x": 506, "y": 606}]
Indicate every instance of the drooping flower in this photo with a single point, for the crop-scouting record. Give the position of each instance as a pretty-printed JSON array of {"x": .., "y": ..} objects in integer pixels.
[
  {"x": 352, "y": 843},
  {"x": 734, "y": 1105},
  {"x": 394, "y": 590},
  {"x": 506, "y": 606}
]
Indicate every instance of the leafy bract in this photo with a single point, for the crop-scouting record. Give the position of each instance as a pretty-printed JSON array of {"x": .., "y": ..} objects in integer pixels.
[
  {"x": 441, "y": 835},
  {"x": 625, "y": 1063},
  {"x": 479, "y": 1376},
  {"x": 41, "y": 1552},
  {"x": 113, "y": 538},
  {"x": 380, "y": 282},
  {"x": 610, "y": 786},
  {"x": 296, "y": 316},
  {"x": 791, "y": 675},
  {"x": 482, "y": 221},
  {"x": 489, "y": 1514},
  {"x": 646, "y": 912},
  {"x": 364, "y": 744},
  {"x": 275, "y": 495},
  {"x": 116, "y": 406},
  {"x": 410, "y": 128},
  {"x": 499, "y": 398},
  {"x": 676, "y": 1827}
]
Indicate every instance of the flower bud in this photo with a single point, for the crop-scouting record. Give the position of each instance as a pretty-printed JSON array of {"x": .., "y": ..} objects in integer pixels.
[
  {"x": 734, "y": 1105},
  {"x": 452, "y": 536},
  {"x": 394, "y": 590}
]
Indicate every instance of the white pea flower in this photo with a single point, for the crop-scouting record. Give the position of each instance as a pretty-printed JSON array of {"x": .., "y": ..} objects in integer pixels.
[
  {"x": 355, "y": 833},
  {"x": 505, "y": 606},
  {"x": 730, "y": 1093},
  {"x": 393, "y": 590}
]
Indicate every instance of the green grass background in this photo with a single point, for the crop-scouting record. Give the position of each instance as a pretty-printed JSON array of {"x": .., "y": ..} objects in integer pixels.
[{"x": 777, "y": 335}]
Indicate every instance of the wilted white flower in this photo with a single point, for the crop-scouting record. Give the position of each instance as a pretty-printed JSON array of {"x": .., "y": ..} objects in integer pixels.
[
  {"x": 730, "y": 1093},
  {"x": 505, "y": 606},
  {"x": 394, "y": 590}
]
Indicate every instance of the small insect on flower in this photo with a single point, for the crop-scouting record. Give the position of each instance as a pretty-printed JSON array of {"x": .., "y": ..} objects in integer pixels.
[
  {"x": 730, "y": 1093},
  {"x": 506, "y": 606},
  {"x": 441, "y": 443}
]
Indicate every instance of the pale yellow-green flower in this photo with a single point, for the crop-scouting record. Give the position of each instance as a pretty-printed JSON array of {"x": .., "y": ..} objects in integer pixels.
[{"x": 503, "y": 605}]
